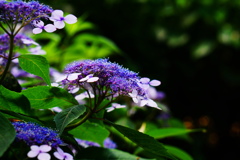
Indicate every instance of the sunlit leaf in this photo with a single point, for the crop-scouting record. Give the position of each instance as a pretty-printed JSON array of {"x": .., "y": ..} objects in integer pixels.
[
  {"x": 36, "y": 65},
  {"x": 44, "y": 97}
]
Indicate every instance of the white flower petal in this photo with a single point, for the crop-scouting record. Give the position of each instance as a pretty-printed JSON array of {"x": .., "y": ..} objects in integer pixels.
[
  {"x": 93, "y": 79},
  {"x": 57, "y": 14},
  {"x": 153, "y": 104},
  {"x": 73, "y": 76},
  {"x": 58, "y": 156},
  {"x": 68, "y": 156},
  {"x": 59, "y": 24},
  {"x": 145, "y": 80},
  {"x": 38, "y": 24},
  {"x": 28, "y": 41},
  {"x": 45, "y": 148},
  {"x": 70, "y": 19},
  {"x": 50, "y": 28},
  {"x": 34, "y": 148},
  {"x": 143, "y": 102},
  {"x": 32, "y": 154},
  {"x": 135, "y": 100},
  {"x": 37, "y": 30},
  {"x": 155, "y": 83},
  {"x": 44, "y": 156},
  {"x": 60, "y": 151}
]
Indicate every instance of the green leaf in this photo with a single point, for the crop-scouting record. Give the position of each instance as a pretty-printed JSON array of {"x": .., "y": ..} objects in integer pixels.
[
  {"x": 62, "y": 119},
  {"x": 145, "y": 141},
  {"x": 168, "y": 132},
  {"x": 13, "y": 101},
  {"x": 7, "y": 134},
  {"x": 90, "y": 132},
  {"x": 36, "y": 65},
  {"x": 44, "y": 97},
  {"x": 178, "y": 152},
  {"x": 108, "y": 154}
]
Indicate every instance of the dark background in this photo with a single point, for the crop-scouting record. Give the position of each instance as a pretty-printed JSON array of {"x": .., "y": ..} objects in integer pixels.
[{"x": 192, "y": 47}]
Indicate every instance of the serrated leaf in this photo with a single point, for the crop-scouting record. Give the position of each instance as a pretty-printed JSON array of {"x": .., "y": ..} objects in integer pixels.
[
  {"x": 13, "y": 101},
  {"x": 90, "y": 132},
  {"x": 7, "y": 134},
  {"x": 145, "y": 141},
  {"x": 62, "y": 119},
  {"x": 168, "y": 132},
  {"x": 44, "y": 97},
  {"x": 37, "y": 65},
  {"x": 104, "y": 153},
  {"x": 178, "y": 152}
]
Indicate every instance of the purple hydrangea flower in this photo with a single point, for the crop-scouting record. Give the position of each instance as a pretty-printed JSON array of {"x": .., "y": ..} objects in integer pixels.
[
  {"x": 108, "y": 143},
  {"x": 107, "y": 80},
  {"x": 18, "y": 11},
  {"x": 34, "y": 134}
]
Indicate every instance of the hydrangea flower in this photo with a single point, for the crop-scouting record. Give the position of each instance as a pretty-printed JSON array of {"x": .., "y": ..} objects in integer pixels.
[
  {"x": 107, "y": 80},
  {"x": 22, "y": 12},
  {"x": 34, "y": 134},
  {"x": 115, "y": 106},
  {"x": 58, "y": 19},
  {"x": 40, "y": 27},
  {"x": 62, "y": 155},
  {"x": 40, "y": 152}
]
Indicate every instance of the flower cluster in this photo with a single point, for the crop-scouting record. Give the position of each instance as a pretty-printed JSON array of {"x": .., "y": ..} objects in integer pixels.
[
  {"x": 34, "y": 134},
  {"x": 108, "y": 80},
  {"x": 20, "y": 11},
  {"x": 32, "y": 12}
]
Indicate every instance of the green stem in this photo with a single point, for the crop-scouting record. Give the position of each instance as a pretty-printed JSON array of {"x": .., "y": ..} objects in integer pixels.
[{"x": 11, "y": 42}]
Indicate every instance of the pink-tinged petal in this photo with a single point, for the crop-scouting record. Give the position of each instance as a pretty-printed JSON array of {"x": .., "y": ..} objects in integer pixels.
[
  {"x": 32, "y": 154},
  {"x": 73, "y": 76},
  {"x": 45, "y": 148},
  {"x": 83, "y": 79},
  {"x": 144, "y": 80},
  {"x": 144, "y": 86},
  {"x": 58, "y": 156},
  {"x": 37, "y": 30},
  {"x": 57, "y": 14},
  {"x": 93, "y": 79},
  {"x": 50, "y": 28},
  {"x": 155, "y": 83},
  {"x": 70, "y": 19},
  {"x": 59, "y": 24},
  {"x": 143, "y": 102},
  {"x": 44, "y": 156}
]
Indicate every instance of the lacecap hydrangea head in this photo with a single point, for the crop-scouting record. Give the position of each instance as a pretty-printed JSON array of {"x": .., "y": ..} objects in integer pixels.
[
  {"x": 34, "y": 134},
  {"x": 107, "y": 80}
]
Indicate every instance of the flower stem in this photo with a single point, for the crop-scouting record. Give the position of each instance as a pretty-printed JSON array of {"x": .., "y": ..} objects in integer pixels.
[{"x": 11, "y": 42}]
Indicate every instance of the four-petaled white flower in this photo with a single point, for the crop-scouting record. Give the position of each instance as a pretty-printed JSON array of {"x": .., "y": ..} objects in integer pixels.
[
  {"x": 145, "y": 83},
  {"x": 115, "y": 106},
  {"x": 89, "y": 78},
  {"x": 62, "y": 155},
  {"x": 134, "y": 96},
  {"x": 40, "y": 26},
  {"x": 58, "y": 19},
  {"x": 40, "y": 152}
]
